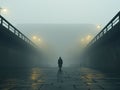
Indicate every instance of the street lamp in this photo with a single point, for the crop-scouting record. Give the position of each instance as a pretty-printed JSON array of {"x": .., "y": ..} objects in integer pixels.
[
  {"x": 34, "y": 37},
  {"x": 86, "y": 39},
  {"x": 39, "y": 39},
  {"x": 98, "y": 26},
  {"x": 4, "y": 10}
]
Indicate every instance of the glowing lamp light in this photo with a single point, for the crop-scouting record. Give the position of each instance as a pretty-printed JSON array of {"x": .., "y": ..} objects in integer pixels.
[
  {"x": 34, "y": 37},
  {"x": 98, "y": 26},
  {"x": 4, "y": 10},
  {"x": 88, "y": 37},
  {"x": 39, "y": 39},
  {"x": 82, "y": 40}
]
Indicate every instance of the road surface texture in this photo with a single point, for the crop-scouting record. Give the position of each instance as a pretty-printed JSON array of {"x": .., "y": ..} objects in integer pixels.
[{"x": 53, "y": 79}]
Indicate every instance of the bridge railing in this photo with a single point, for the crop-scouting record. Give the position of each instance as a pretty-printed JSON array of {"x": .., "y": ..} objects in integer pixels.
[
  {"x": 14, "y": 30},
  {"x": 106, "y": 29}
]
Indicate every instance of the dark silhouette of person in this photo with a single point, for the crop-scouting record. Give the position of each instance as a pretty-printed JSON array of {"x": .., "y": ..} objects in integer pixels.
[{"x": 60, "y": 62}]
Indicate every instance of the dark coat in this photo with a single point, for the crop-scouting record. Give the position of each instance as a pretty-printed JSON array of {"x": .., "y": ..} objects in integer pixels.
[{"x": 60, "y": 62}]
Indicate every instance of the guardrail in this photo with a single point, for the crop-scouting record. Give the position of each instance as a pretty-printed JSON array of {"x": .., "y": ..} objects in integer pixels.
[
  {"x": 14, "y": 30},
  {"x": 108, "y": 27}
]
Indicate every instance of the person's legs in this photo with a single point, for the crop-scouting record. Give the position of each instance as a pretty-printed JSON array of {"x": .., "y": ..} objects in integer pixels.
[{"x": 59, "y": 67}]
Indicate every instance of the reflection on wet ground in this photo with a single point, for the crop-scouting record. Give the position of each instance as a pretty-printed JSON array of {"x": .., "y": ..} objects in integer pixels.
[
  {"x": 60, "y": 76},
  {"x": 53, "y": 79}
]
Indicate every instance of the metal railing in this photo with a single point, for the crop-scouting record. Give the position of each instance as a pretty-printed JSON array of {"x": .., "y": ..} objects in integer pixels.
[
  {"x": 106, "y": 29},
  {"x": 14, "y": 30}
]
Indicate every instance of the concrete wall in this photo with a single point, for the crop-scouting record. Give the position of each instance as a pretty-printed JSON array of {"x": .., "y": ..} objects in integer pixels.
[
  {"x": 14, "y": 52},
  {"x": 104, "y": 54}
]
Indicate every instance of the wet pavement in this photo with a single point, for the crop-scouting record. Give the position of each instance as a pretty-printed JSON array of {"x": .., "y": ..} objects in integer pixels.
[{"x": 53, "y": 79}]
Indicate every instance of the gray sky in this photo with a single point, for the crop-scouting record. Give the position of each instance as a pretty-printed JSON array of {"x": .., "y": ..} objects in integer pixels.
[
  {"x": 60, "y": 23},
  {"x": 61, "y": 11}
]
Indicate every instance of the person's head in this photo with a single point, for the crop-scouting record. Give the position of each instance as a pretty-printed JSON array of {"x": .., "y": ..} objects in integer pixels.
[{"x": 59, "y": 57}]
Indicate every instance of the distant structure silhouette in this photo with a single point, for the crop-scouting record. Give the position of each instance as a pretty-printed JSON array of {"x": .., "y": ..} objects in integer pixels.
[{"x": 60, "y": 62}]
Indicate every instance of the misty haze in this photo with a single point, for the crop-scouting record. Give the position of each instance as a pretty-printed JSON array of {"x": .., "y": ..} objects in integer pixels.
[
  {"x": 59, "y": 45},
  {"x": 61, "y": 39}
]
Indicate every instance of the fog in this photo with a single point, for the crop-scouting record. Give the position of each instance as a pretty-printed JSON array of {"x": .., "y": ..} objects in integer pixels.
[
  {"x": 60, "y": 11},
  {"x": 59, "y": 40},
  {"x": 63, "y": 27}
]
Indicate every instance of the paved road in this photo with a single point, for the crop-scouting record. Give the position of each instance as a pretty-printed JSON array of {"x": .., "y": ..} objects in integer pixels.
[{"x": 52, "y": 79}]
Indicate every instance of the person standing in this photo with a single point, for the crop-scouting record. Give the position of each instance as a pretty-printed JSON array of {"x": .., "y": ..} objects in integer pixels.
[{"x": 60, "y": 62}]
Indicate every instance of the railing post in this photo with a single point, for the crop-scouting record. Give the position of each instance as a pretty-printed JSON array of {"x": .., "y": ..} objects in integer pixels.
[
  {"x": 119, "y": 16},
  {"x": 18, "y": 34},
  {"x": 8, "y": 27},
  {"x": 14, "y": 31},
  {"x": 1, "y": 21},
  {"x": 106, "y": 29},
  {"x": 102, "y": 32},
  {"x": 112, "y": 24}
]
